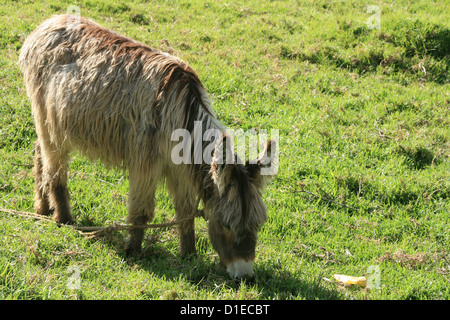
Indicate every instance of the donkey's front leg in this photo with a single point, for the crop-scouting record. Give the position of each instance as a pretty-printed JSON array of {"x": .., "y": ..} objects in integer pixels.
[
  {"x": 185, "y": 208},
  {"x": 141, "y": 209},
  {"x": 187, "y": 238},
  {"x": 185, "y": 200}
]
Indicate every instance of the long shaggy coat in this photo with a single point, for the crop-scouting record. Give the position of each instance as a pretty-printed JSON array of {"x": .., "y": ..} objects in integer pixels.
[{"x": 119, "y": 100}]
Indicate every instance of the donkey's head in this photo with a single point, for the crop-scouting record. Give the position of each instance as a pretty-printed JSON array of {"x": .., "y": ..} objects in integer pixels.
[{"x": 237, "y": 210}]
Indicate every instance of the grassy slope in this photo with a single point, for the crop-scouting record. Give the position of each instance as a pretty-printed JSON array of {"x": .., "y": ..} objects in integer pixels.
[{"x": 363, "y": 118}]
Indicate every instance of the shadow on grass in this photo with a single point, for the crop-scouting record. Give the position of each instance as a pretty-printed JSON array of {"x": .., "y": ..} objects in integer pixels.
[{"x": 206, "y": 275}]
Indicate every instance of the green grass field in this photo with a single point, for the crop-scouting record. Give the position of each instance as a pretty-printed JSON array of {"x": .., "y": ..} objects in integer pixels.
[{"x": 363, "y": 116}]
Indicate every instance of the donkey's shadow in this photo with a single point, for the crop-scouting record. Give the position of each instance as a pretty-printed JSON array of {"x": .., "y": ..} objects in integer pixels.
[{"x": 205, "y": 272}]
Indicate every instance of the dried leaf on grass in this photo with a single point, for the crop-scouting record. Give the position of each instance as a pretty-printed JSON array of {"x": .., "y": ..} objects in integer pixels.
[{"x": 409, "y": 261}]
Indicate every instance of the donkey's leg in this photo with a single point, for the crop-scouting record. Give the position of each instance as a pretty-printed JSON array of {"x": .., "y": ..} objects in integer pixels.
[
  {"x": 187, "y": 233},
  {"x": 185, "y": 202},
  {"x": 141, "y": 208},
  {"x": 41, "y": 203},
  {"x": 54, "y": 182}
]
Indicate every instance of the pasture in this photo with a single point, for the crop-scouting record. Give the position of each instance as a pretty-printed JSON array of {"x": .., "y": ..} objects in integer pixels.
[{"x": 361, "y": 101}]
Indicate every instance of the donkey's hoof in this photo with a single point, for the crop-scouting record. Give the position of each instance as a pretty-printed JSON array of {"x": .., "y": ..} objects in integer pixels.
[
  {"x": 133, "y": 250},
  {"x": 189, "y": 256},
  {"x": 63, "y": 218},
  {"x": 43, "y": 210}
]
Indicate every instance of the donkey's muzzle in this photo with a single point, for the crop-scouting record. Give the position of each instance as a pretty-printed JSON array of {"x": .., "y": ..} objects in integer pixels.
[{"x": 241, "y": 269}]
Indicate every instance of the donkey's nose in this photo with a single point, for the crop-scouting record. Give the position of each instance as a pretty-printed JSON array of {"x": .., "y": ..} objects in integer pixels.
[{"x": 241, "y": 269}]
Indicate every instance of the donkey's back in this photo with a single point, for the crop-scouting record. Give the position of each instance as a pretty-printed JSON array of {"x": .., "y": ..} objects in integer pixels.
[{"x": 102, "y": 92}]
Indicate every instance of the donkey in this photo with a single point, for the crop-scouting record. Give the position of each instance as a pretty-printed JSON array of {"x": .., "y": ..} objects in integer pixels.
[{"x": 118, "y": 100}]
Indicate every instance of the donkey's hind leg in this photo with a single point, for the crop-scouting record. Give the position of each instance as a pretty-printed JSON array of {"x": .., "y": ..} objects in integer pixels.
[
  {"x": 41, "y": 203},
  {"x": 53, "y": 182}
]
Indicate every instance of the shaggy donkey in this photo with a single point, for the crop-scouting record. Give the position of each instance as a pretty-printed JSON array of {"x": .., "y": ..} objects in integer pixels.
[{"x": 118, "y": 100}]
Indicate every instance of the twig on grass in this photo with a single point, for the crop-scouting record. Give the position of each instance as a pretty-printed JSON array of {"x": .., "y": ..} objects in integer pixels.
[
  {"x": 26, "y": 214},
  {"x": 93, "y": 232}
]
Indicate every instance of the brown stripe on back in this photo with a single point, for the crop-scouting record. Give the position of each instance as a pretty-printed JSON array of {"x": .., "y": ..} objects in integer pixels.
[
  {"x": 174, "y": 73},
  {"x": 116, "y": 44}
]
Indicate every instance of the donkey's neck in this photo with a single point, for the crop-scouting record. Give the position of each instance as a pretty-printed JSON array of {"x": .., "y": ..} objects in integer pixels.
[{"x": 211, "y": 130}]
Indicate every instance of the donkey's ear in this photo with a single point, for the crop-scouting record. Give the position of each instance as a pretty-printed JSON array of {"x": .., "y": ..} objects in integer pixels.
[
  {"x": 222, "y": 162},
  {"x": 264, "y": 169}
]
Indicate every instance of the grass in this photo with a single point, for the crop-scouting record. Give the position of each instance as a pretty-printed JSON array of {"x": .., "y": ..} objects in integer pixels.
[{"x": 364, "y": 180}]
